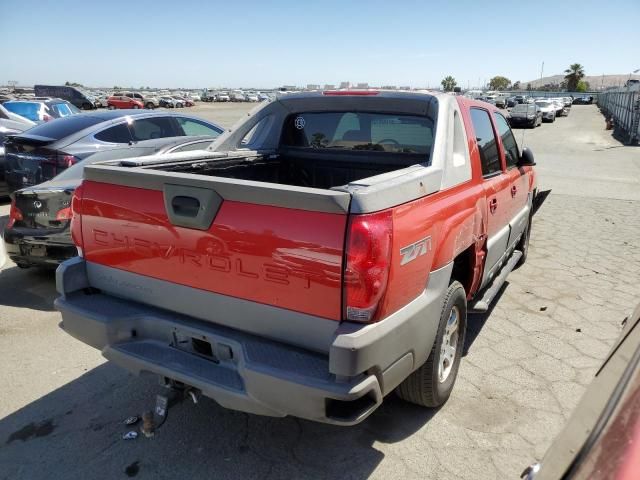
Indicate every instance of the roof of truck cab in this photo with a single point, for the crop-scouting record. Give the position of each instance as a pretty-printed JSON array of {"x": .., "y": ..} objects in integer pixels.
[
  {"x": 417, "y": 94},
  {"x": 381, "y": 101}
]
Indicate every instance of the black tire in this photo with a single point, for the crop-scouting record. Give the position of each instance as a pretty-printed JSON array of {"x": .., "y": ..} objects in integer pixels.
[
  {"x": 150, "y": 106},
  {"x": 111, "y": 107},
  {"x": 136, "y": 107},
  {"x": 423, "y": 387},
  {"x": 86, "y": 106},
  {"x": 523, "y": 244}
]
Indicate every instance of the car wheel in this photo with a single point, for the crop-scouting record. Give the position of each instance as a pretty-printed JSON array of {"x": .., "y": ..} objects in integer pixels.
[
  {"x": 150, "y": 106},
  {"x": 432, "y": 383},
  {"x": 136, "y": 107},
  {"x": 523, "y": 244},
  {"x": 111, "y": 107}
]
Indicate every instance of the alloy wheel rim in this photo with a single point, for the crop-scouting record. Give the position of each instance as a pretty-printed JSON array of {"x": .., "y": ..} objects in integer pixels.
[{"x": 449, "y": 345}]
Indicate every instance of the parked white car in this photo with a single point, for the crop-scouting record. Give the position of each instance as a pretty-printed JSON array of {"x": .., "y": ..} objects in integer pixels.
[{"x": 548, "y": 110}]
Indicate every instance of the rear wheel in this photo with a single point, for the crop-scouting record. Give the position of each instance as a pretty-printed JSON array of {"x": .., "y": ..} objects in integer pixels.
[
  {"x": 86, "y": 106},
  {"x": 432, "y": 383},
  {"x": 150, "y": 106},
  {"x": 111, "y": 107}
]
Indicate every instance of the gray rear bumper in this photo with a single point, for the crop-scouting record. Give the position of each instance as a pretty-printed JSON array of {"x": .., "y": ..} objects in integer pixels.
[{"x": 252, "y": 373}]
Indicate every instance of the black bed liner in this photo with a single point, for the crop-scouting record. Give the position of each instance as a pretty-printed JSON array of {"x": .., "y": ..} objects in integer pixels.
[{"x": 299, "y": 167}]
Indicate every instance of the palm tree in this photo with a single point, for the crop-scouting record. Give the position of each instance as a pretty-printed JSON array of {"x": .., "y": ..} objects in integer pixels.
[
  {"x": 448, "y": 83},
  {"x": 574, "y": 74}
]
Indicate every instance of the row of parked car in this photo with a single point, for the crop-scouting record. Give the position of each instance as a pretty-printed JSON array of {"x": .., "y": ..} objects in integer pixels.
[
  {"x": 526, "y": 111},
  {"x": 89, "y": 100},
  {"x": 41, "y": 164},
  {"x": 531, "y": 112},
  {"x": 234, "y": 96}
]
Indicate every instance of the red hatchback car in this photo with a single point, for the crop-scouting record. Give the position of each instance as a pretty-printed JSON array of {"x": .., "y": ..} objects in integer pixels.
[{"x": 119, "y": 102}]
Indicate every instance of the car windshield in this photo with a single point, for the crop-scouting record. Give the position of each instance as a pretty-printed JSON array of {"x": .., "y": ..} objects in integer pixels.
[
  {"x": 359, "y": 131},
  {"x": 521, "y": 108},
  {"x": 29, "y": 110},
  {"x": 543, "y": 104},
  {"x": 62, "y": 127}
]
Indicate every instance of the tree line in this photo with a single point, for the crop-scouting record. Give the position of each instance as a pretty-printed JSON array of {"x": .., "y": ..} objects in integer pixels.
[{"x": 573, "y": 82}]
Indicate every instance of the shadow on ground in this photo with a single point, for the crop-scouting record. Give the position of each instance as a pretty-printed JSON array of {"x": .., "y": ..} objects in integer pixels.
[
  {"x": 32, "y": 288},
  {"x": 476, "y": 321},
  {"x": 75, "y": 432}
]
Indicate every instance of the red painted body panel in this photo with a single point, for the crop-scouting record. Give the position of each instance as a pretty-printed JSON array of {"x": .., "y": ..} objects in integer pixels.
[
  {"x": 452, "y": 222},
  {"x": 278, "y": 256}
]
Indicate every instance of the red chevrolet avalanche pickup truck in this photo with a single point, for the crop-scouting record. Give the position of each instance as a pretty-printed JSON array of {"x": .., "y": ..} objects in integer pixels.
[{"x": 319, "y": 255}]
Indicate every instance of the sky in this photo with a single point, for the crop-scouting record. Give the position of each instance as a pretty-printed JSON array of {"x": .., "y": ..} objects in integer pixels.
[{"x": 193, "y": 44}]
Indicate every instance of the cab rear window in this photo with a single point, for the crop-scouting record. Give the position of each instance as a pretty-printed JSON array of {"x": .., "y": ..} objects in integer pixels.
[{"x": 359, "y": 131}]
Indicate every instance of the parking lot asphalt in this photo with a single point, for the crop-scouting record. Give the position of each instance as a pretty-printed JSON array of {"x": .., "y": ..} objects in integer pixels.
[{"x": 527, "y": 361}]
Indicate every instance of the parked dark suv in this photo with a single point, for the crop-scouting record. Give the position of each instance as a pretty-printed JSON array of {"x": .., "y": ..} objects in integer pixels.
[
  {"x": 46, "y": 150},
  {"x": 79, "y": 98}
]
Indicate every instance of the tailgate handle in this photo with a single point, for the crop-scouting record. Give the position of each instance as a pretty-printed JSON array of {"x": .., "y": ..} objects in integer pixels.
[
  {"x": 191, "y": 207},
  {"x": 185, "y": 206}
]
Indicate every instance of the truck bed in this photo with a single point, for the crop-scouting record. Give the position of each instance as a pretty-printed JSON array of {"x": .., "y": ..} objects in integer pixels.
[{"x": 296, "y": 168}]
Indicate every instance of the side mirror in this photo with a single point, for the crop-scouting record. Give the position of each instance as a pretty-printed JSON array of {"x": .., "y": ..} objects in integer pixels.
[{"x": 526, "y": 158}]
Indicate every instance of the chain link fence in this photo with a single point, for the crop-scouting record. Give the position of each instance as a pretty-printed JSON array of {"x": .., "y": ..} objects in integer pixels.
[{"x": 622, "y": 108}]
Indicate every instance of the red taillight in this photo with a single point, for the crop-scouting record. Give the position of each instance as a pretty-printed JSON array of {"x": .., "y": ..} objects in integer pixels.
[
  {"x": 66, "y": 161},
  {"x": 15, "y": 215},
  {"x": 64, "y": 214},
  {"x": 368, "y": 259},
  {"x": 76, "y": 219},
  {"x": 350, "y": 92}
]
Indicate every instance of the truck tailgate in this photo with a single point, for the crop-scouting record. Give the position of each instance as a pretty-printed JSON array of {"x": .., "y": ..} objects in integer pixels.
[{"x": 275, "y": 254}]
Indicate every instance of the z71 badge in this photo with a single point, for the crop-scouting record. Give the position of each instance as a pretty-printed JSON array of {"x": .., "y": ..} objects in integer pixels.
[{"x": 415, "y": 250}]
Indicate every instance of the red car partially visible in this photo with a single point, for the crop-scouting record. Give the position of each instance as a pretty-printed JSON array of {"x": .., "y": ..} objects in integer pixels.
[
  {"x": 187, "y": 101},
  {"x": 602, "y": 438},
  {"x": 120, "y": 102}
]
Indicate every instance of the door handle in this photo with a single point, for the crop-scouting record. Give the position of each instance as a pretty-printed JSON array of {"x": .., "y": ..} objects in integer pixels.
[
  {"x": 185, "y": 206},
  {"x": 514, "y": 191},
  {"x": 493, "y": 205}
]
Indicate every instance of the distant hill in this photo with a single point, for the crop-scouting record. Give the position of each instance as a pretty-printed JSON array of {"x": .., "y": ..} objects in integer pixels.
[{"x": 596, "y": 82}]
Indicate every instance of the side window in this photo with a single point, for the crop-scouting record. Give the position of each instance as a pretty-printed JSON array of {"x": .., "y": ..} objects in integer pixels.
[
  {"x": 508, "y": 140},
  {"x": 150, "y": 128},
  {"x": 193, "y": 127},
  {"x": 487, "y": 144},
  {"x": 116, "y": 134}
]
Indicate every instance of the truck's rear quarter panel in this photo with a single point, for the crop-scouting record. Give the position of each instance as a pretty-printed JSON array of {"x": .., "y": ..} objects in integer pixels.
[
  {"x": 278, "y": 256},
  {"x": 449, "y": 222}
]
